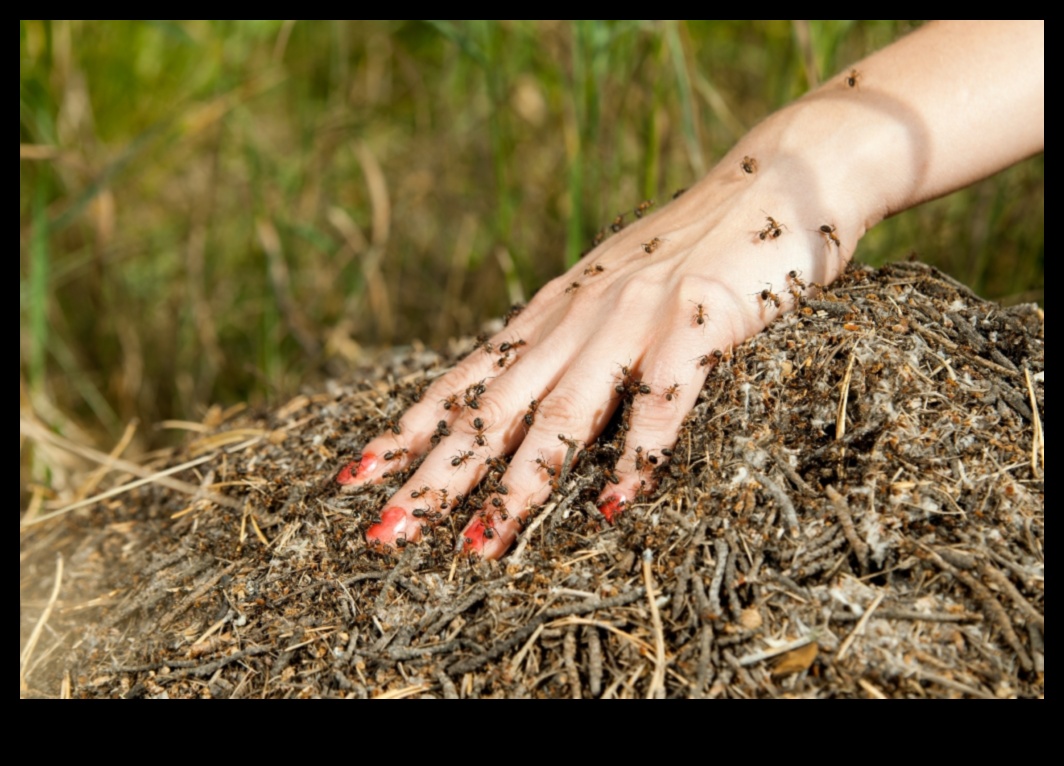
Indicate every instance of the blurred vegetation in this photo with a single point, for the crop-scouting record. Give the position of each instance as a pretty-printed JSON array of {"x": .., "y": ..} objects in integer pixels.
[{"x": 221, "y": 212}]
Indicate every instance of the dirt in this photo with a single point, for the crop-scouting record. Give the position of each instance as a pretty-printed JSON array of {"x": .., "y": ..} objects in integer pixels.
[{"x": 897, "y": 552}]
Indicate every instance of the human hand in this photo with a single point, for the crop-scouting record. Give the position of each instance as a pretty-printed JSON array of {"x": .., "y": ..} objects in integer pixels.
[{"x": 640, "y": 320}]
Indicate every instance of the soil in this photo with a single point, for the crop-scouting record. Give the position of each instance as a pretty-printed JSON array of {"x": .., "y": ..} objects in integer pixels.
[{"x": 896, "y": 552}]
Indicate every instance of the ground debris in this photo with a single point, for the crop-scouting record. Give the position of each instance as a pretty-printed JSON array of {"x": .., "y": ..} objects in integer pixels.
[{"x": 897, "y": 554}]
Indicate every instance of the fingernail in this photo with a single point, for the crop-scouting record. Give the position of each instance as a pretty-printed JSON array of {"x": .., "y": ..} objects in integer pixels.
[
  {"x": 392, "y": 526},
  {"x": 474, "y": 538},
  {"x": 353, "y": 471},
  {"x": 612, "y": 507}
]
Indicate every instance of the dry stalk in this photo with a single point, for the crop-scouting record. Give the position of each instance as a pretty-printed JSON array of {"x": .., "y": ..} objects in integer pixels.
[
  {"x": 35, "y": 635},
  {"x": 656, "y": 690},
  {"x": 858, "y": 629}
]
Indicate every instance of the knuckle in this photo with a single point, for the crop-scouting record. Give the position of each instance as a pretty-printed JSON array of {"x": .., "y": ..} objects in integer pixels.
[{"x": 562, "y": 408}]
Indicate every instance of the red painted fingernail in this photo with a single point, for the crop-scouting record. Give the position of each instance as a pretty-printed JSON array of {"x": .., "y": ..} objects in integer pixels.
[
  {"x": 474, "y": 538},
  {"x": 392, "y": 525},
  {"x": 612, "y": 507},
  {"x": 353, "y": 471}
]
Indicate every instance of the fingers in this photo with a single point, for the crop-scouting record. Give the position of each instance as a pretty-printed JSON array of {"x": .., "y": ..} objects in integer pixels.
[
  {"x": 430, "y": 420},
  {"x": 670, "y": 378},
  {"x": 479, "y": 436}
]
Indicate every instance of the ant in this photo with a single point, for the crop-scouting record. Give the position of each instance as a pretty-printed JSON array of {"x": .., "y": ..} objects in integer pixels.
[
  {"x": 473, "y": 393},
  {"x": 444, "y": 502},
  {"x": 396, "y": 453},
  {"x": 530, "y": 415},
  {"x": 590, "y": 271},
  {"x": 547, "y": 468},
  {"x": 706, "y": 359},
  {"x": 599, "y": 236},
  {"x": 769, "y": 296},
  {"x": 828, "y": 230},
  {"x": 670, "y": 393},
  {"x": 483, "y": 342},
  {"x": 496, "y": 465},
  {"x": 643, "y": 207},
  {"x": 511, "y": 315},
  {"x": 749, "y": 165},
  {"x": 772, "y": 229},
  {"x": 700, "y": 313},
  {"x": 572, "y": 288},
  {"x": 461, "y": 458},
  {"x": 416, "y": 493},
  {"x": 511, "y": 345},
  {"x": 570, "y": 442},
  {"x": 618, "y": 223},
  {"x": 652, "y": 245},
  {"x": 640, "y": 461},
  {"x": 450, "y": 402},
  {"x": 612, "y": 477},
  {"x": 479, "y": 439},
  {"x": 852, "y": 78},
  {"x": 393, "y": 426}
]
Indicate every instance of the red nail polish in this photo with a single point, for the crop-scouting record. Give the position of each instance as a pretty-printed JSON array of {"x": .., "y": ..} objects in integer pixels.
[
  {"x": 391, "y": 527},
  {"x": 352, "y": 472},
  {"x": 474, "y": 538},
  {"x": 612, "y": 507}
]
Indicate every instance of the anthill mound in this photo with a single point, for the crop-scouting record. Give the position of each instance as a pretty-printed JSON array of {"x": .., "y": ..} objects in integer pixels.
[{"x": 788, "y": 551}]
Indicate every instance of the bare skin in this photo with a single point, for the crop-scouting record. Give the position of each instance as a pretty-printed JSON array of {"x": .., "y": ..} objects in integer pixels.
[{"x": 937, "y": 110}]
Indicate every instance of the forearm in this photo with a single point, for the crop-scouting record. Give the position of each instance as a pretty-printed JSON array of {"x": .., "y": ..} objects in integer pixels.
[{"x": 937, "y": 110}]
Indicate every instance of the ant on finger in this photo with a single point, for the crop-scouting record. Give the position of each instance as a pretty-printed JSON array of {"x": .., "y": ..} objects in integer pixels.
[
  {"x": 771, "y": 229},
  {"x": 768, "y": 296},
  {"x": 749, "y": 165},
  {"x": 462, "y": 458},
  {"x": 700, "y": 313},
  {"x": 828, "y": 230},
  {"x": 852, "y": 78}
]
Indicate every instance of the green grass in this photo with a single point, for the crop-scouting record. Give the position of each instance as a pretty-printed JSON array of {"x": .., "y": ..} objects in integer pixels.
[{"x": 217, "y": 212}]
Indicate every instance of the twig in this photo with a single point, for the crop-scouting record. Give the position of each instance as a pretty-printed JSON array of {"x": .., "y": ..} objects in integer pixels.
[
  {"x": 842, "y": 510},
  {"x": 998, "y": 577},
  {"x": 996, "y": 611},
  {"x": 445, "y": 682},
  {"x": 594, "y": 660},
  {"x": 501, "y": 647},
  {"x": 768, "y": 654},
  {"x": 858, "y": 629},
  {"x": 398, "y": 694},
  {"x": 949, "y": 683},
  {"x": 785, "y": 467},
  {"x": 656, "y": 690},
  {"x": 720, "y": 553},
  {"x": 569, "y": 660},
  {"x": 1038, "y": 444},
  {"x": 790, "y": 515},
  {"x": 840, "y": 419},
  {"x": 35, "y": 635},
  {"x": 872, "y": 690}
]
